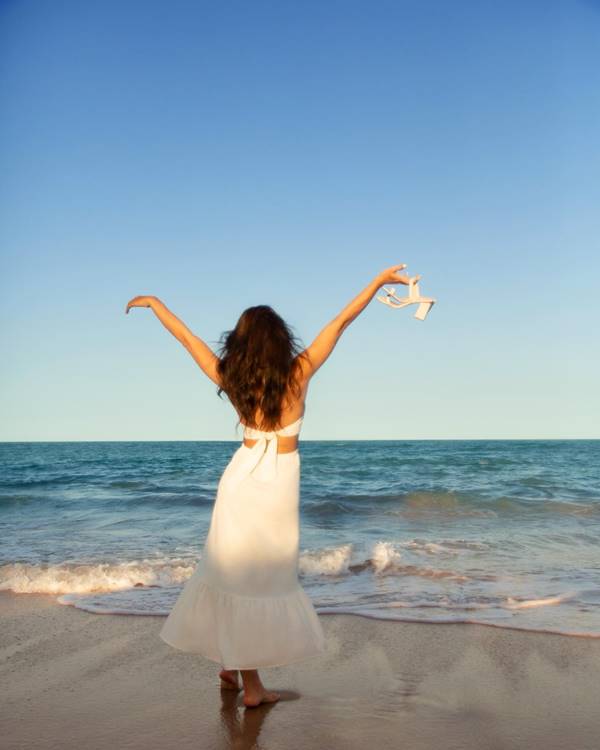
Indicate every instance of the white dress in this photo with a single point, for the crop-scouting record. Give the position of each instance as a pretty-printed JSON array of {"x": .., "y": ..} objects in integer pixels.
[{"x": 243, "y": 606}]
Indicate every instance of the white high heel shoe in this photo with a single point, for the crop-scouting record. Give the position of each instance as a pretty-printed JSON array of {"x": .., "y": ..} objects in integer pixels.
[{"x": 414, "y": 298}]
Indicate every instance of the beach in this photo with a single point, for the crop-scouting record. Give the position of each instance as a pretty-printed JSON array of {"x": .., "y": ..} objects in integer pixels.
[
  {"x": 72, "y": 679},
  {"x": 346, "y": 224}
]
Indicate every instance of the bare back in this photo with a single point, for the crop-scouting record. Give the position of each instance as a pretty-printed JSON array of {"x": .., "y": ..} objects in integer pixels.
[{"x": 292, "y": 412}]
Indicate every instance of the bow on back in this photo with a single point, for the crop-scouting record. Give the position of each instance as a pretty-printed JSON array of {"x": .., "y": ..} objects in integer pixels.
[{"x": 261, "y": 459}]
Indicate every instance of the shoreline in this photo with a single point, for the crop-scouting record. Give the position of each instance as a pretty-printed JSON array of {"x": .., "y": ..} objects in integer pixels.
[
  {"x": 76, "y": 680},
  {"x": 335, "y": 612}
]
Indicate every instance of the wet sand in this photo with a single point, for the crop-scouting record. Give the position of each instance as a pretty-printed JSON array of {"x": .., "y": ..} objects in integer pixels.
[{"x": 71, "y": 679}]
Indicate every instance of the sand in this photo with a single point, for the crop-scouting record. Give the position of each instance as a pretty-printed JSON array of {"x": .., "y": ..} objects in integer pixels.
[{"x": 71, "y": 679}]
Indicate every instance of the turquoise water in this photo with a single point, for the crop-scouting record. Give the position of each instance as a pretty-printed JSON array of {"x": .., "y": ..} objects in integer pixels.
[{"x": 500, "y": 532}]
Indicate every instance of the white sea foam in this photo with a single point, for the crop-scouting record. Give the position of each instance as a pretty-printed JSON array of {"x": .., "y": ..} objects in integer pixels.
[
  {"x": 326, "y": 561},
  {"x": 85, "y": 578},
  {"x": 442, "y": 547},
  {"x": 384, "y": 556},
  {"x": 512, "y": 603},
  {"x": 380, "y": 614},
  {"x": 82, "y": 578},
  {"x": 426, "y": 593}
]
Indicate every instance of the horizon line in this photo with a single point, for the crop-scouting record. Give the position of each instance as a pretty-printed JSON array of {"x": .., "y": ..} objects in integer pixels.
[{"x": 314, "y": 440}]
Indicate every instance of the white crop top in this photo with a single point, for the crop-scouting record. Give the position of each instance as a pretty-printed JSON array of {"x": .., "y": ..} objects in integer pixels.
[{"x": 288, "y": 431}]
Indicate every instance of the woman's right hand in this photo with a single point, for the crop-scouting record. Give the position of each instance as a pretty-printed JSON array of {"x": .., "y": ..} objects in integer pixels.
[
  {"x": 391, "y": 275},
  {"x": 142, "y": 300}
]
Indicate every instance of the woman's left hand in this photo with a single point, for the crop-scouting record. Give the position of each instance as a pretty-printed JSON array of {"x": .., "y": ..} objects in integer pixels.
[{"x": 141, "y": 301}]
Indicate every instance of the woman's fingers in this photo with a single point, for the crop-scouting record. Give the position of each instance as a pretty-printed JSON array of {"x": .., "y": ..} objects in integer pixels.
[
  {"x": 132, "y": 303},
  {"x": 391, "y": 274},
  {"x": 399, "y": 267},
  {"x": 142, "y": 300}
]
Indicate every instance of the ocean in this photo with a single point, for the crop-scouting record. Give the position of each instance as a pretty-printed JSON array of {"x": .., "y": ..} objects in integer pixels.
[{"x": 503, "y": 533}]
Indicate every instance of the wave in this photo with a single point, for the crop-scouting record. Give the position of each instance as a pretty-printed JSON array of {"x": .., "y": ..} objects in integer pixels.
[
  {"x": 186, "y": 496},
  {"x": 422, "y": 504},
  {"x": 328, "y": 561},
  {"x": 512, "y": 603},
  {"x": 83, "y": 578},
  {"x": 385, "y": 558},
  {"x": 144, "y": 492},
  {"x": 151, "y": 586},
  {"x": 458, "y": 504}
]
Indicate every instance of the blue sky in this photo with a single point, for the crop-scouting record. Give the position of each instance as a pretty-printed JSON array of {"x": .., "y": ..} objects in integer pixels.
[{"x": 220, "y": 155}]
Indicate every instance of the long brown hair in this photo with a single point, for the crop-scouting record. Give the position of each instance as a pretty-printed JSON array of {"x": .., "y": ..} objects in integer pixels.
[{"x": 260, "y": 365}]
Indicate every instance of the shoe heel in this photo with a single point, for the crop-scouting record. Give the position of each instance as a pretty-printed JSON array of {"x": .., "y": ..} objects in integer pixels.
[{"x": 422, "y": 310}]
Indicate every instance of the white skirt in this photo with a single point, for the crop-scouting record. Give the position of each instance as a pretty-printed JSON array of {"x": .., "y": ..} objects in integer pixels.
[{"x": 243, "y": 606}]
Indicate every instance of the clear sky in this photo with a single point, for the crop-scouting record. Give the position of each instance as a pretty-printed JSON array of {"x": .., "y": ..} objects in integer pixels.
[{"x": 221, "y": 155}]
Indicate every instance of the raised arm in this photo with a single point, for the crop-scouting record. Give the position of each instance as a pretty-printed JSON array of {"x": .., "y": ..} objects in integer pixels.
[
  {"x": 324, "y": 343},
  {"x": 199, "y": 350}
]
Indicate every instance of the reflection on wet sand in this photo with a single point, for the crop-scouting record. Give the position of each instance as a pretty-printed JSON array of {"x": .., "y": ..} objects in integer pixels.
[
  {"x": 241, "y": 725},
  {"x": 76, "y": 680}
]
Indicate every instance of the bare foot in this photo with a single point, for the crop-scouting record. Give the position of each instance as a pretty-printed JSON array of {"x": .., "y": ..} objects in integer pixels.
[
  {"x": 229, "y": 679},
  {"x": 255, "y": 698}
]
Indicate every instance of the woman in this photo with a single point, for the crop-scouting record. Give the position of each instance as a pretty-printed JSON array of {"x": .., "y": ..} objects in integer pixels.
[{"x": 243, "y": 606}]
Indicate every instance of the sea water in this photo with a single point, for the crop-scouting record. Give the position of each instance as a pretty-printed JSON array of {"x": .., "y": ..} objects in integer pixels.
[{"x": 504, "y": 533}]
